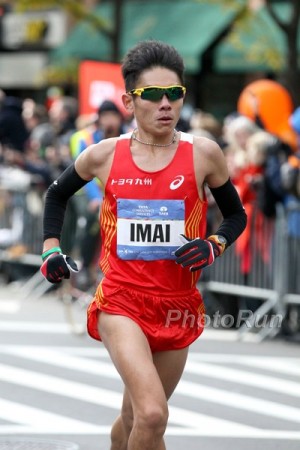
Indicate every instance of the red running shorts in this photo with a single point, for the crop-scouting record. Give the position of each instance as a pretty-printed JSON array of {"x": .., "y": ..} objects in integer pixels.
[{"x": 168, "y": 322}]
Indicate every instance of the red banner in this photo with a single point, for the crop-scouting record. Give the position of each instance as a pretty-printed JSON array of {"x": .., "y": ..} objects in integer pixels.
[{"x": 99, "y": 81}]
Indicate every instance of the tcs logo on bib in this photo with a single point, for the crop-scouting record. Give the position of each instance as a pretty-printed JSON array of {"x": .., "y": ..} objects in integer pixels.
[{"x": 177, "y": 182}]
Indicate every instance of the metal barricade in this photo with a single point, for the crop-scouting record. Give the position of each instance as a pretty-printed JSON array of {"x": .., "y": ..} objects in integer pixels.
[
  {"x": 21, "y": 230},
  {"x": 262, "y": 265},
  {"x": 291, "y": 269},
  {"x": 21, "y": 207}
]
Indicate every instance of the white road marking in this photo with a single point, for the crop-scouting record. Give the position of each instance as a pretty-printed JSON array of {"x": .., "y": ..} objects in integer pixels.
[
  {"x": 9, "y": 306},
  {"x": 282, "y": 365},
  {"x": 190, "y": 423},
  {"x": 37, "y": 419},
  {"x": 104, "y": 430},
  {"x": 59, "y": 386},
  {"x": 108, "y": 398},
  {"x": 35, "y": 327},
  {"x": 279, "y": 365},
  {"x": 187, "y": 388},
  {"x": 245, "y": 378},
  {"x": 219, "y": 335},
  {"x": 210, "y": 424},
  {"x": 61, "y": 359},
  {"x": 239, "y": 401}
]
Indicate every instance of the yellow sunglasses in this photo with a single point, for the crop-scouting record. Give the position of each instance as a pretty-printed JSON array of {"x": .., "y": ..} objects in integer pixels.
[{"x": 156, "y": 93}]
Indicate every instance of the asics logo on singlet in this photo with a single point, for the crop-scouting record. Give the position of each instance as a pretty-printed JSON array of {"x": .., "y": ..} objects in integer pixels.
[{"x": 177, "y": 182}]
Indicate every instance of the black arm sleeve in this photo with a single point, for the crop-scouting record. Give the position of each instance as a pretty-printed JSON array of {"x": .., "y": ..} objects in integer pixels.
[
  {"x": 56, "y": 200},
  {"x": 233, "y": 212}
]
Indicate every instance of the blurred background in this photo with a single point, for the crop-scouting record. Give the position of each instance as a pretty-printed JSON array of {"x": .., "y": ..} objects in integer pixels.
[
  {"x": 225, "y": 43},
  {"x": 60, "y": 88}
]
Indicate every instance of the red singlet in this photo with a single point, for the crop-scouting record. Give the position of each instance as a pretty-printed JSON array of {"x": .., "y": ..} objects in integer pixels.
[{"x": 142, "y": 215}]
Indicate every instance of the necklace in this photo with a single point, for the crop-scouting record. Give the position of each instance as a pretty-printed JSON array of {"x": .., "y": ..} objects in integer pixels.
[{"x": 135, "y": 138}]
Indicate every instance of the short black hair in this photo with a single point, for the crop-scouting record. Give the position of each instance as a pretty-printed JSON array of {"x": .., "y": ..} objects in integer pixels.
[{"x": 148, "y": 54}]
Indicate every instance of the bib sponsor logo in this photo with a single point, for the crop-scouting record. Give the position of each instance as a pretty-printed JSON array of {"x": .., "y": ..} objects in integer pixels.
[
  {"x": 132, "y": 181},
  {"x": 177, "y": 182}
]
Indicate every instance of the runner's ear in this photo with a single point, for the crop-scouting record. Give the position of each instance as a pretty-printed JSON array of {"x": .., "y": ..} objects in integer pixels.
[{"x": 127, "y": 100}]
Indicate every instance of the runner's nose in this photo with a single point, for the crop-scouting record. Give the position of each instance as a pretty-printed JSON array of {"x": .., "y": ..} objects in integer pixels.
[{"x": 165, "y": 102}]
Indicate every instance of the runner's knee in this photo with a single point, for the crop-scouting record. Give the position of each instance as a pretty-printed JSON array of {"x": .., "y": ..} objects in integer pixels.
[{"x": 153, "y": 418}]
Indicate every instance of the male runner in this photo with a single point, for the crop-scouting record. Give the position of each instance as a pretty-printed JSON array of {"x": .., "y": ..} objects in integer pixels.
[{"x": 147, "y": 310}]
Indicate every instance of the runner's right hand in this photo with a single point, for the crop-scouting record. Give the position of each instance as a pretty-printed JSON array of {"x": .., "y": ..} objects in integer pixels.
[{"x": 57, "y": 267}]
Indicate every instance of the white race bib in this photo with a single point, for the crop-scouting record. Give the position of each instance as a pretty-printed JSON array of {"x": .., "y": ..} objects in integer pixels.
[{"x": 149, "y": 229}]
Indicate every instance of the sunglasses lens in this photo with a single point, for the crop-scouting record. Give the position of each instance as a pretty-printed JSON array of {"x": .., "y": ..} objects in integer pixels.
[
  {"x": 175, "y": 93},
  {"x": 156, "y": 94},
  {"x": 153, "y": 94}
]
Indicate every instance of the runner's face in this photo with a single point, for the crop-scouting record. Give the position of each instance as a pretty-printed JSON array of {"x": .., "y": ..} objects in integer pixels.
[{"x": 157, "y": 118}]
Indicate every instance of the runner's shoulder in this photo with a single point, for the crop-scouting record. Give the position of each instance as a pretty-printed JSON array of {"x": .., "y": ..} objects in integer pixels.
[{"x": 102, "y": 151}]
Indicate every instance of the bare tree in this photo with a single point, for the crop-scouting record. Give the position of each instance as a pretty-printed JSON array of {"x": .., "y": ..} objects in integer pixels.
[{"x": 291, "y": 74}]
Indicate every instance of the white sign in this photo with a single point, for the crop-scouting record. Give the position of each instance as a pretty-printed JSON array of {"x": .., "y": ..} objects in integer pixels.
[
  {"x": 12, "y": 73},
  {"x": 46, "y": 29}
]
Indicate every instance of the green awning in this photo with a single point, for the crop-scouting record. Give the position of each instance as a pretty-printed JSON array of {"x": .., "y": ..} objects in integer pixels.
[
  {"x": 190, "y": 26},
  {"x": 255, "y": 43}
]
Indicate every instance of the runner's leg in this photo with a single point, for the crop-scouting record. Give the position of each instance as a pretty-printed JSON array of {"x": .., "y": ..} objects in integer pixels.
[
  {"x": 131, "y": 355},
  {"x": 168, "y": 366},
  {"x": 122, "y": 426}
]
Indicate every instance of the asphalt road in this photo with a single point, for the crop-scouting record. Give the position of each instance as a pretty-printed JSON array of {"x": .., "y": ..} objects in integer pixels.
[{"x": 56, "y": 386}]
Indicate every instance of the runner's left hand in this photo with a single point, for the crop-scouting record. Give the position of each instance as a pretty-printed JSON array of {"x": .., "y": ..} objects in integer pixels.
[{"x": 196, "y": 253}]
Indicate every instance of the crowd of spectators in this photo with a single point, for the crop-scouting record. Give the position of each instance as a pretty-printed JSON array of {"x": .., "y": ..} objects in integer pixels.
[{"x": 43, "y": 139}]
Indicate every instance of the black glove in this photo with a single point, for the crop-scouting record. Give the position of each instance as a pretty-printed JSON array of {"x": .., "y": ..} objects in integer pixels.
[
  {"x": 197, "y": 253},
  {"x": 58, "y": 266}
]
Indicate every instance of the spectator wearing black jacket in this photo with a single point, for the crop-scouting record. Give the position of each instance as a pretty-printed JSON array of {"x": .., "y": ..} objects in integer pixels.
[{"x": 13, "y": 132}]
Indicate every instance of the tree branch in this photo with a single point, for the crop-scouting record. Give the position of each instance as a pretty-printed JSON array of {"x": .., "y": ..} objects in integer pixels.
[
  {"x": 295, "y": 14},
  {"x": 284, "y": 27},
  {"x": 76, "y": 8}
]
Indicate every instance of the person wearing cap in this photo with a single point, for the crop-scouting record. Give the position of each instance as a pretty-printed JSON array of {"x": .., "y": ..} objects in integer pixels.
[{"x": 111, "y": 120}]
